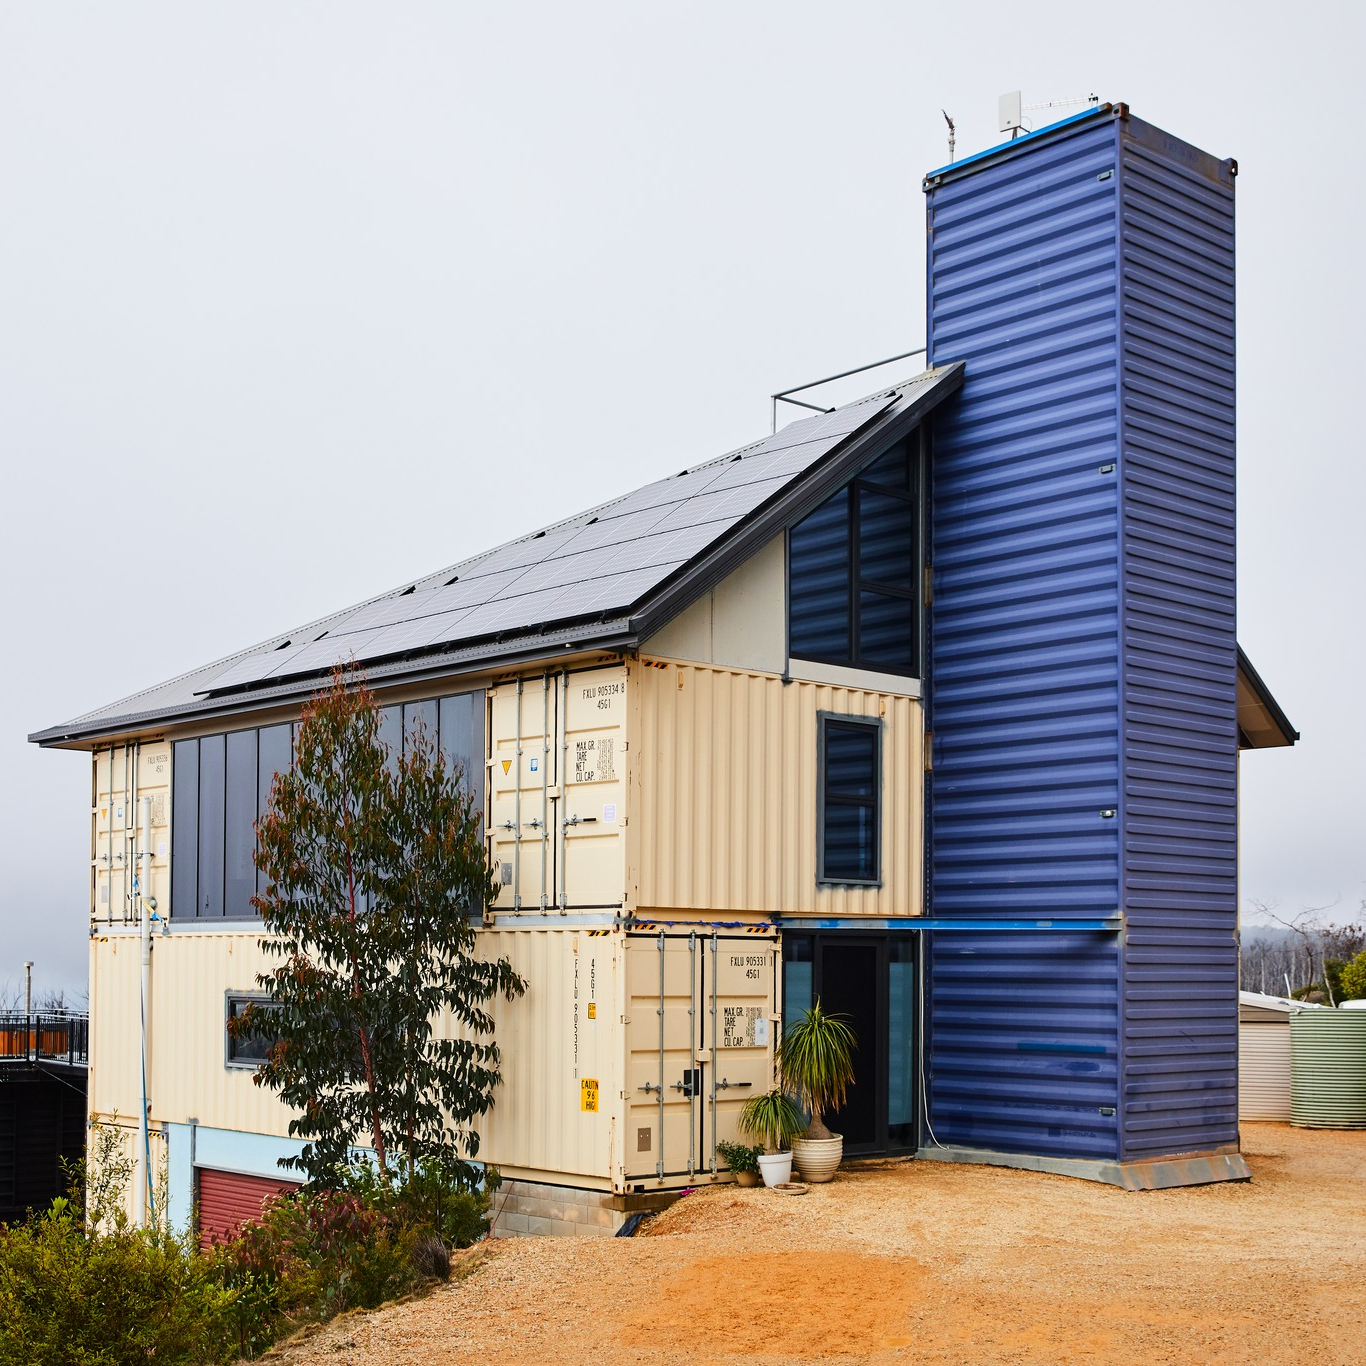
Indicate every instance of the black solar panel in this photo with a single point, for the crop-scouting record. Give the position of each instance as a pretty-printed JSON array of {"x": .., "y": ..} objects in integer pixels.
[{"x": 604, "y": 560}]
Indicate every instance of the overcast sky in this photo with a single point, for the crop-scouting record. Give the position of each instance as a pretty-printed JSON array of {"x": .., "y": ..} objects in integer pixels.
[{"x": 299, "y": 301}]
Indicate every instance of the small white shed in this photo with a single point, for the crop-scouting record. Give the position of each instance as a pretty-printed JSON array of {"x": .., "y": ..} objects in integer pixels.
[{"x": 1264, "y": 1055}]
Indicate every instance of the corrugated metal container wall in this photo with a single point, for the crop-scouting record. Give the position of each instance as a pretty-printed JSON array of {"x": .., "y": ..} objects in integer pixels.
[
  {"x": 1085, "y": 753},
  {"x": 725, "y": 790},
  {"x": 1264, "y": 1070},
  {"x": 1179, "y": 803},
  {"x": 191, "y": 973},
  {"x": 559, "y": 750},
  {"x": 114, "y": 1079},
  {"x": 1026, "y": 1042},
  {"x": 551, "y": 1043},
  {"x": 629, "y": 1054},
  {"x": 1023, "y": 689},
  {"x": 1024, "y": 638},
  {"x": 121, "y": 777}
]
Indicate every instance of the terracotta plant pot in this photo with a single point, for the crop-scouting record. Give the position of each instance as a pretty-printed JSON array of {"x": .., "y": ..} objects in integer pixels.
[
  {"x": 746, "y": 1178},
  {"x": 817, "y": 1159}
]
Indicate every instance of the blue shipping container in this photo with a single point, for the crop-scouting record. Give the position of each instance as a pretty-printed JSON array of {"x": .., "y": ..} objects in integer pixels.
[{"x": 1082, "y": 669}]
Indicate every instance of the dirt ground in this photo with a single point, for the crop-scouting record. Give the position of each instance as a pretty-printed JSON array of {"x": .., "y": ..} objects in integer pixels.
[{"x": 927, "y": 1262}]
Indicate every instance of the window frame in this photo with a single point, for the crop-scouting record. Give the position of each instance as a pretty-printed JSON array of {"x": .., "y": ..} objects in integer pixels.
[
  {"x": 231, "y": 999},
  {"x": 465, "y": 709},
  {"x": 824, "y": 721}
]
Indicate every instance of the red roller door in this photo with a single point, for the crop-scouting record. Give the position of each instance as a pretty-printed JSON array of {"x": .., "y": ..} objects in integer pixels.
[{"x": 227, "y": 1200}]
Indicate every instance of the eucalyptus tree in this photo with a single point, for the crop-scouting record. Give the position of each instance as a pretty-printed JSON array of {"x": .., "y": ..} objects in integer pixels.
[{"x": 379, "y": 1010}]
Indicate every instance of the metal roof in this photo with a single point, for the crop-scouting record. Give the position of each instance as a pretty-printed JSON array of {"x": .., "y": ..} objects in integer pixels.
[
  {"x": 1261, "y": 722},
  {"x": 601, "y": 579}
]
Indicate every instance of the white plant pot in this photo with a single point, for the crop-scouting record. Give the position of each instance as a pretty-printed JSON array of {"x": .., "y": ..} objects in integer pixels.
[
  {"x": 776, "y": 1168},
  {"x": 817, "y": 1159}
]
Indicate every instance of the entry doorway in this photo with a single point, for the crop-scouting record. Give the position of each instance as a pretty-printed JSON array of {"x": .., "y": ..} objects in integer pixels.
[{"x": 871, "y": 980}]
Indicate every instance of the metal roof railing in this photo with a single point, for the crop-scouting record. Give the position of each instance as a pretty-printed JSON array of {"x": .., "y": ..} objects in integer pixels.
[{"x": 52, "y": 1037}]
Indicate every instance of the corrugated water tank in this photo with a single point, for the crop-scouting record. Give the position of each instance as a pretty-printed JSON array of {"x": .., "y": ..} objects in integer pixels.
[{"x": 1328, "y": 1069}]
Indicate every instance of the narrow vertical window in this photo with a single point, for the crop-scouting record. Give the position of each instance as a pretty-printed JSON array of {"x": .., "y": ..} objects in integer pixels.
[
  {"x": 212, "y": 793},
  {"x": 849, "y": 801},
  {"x": 185, "y": 828},
  {"x": 854, "y": 572},
  {"x": 239, "y": 824}
]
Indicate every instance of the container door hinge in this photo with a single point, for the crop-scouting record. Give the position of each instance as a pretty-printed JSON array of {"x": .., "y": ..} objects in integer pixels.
[{"x": 929, "y": 751}]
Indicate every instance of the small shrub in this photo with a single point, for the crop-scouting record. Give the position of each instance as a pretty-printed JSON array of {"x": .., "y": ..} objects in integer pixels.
[
  {"x": 126, "y": 1295},
  {"x": 431, "y": 1258},
  {"x": 739, "y": 1157}
]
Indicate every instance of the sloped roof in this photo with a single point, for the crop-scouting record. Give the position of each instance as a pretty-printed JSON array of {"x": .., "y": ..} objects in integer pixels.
[
  {"x": 601, "y": 579},
  {"x": 1261, "y": 722}
]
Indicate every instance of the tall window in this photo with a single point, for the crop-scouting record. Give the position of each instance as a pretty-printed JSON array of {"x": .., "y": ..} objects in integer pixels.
[
  {"x": 853, "y": 572},
  {"x": 849, "y": 801},
  {"x": 220, "y": 786}
]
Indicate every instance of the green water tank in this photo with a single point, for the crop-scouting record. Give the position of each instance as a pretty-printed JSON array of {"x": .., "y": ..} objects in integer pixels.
[{"x": 1328, "y": 1069}]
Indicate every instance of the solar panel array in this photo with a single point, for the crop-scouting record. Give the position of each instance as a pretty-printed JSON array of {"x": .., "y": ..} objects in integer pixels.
[{"x": 601, "y": 562}]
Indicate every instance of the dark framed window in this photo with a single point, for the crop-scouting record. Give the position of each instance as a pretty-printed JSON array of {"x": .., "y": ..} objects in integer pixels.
[
  {"x": 220, "y": 788},
  {"x": 247, "y": 1048},
  {"x": 849, "y": 800},
  {"x": 854, "y": 571}
]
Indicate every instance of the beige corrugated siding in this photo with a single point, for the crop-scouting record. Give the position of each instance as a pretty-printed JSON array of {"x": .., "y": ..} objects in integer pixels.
[
  {"x": 551, "y": 1043},
  {"x": 191, "y": 974},
  {"x": 121, "y": 778},
  {"x": 1264, "y": 1070},
  {"x": 724, "y": 794}
]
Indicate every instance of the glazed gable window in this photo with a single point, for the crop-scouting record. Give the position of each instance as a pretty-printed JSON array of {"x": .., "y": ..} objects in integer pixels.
[
  {"x": 849, "y": 800},
  {"x": 220, "y": 788},
  {"x": 854, "y": 570}
]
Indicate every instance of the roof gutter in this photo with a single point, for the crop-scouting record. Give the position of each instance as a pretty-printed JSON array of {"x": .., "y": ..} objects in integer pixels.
[{"x": 513, "y": 653}]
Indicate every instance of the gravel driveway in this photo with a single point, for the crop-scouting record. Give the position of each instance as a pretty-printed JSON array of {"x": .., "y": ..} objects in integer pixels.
[{"x": 926, "y": 1262}]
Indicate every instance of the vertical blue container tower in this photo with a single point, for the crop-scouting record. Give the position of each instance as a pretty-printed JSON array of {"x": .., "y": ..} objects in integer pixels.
[{"x": 1082, "y": 684}]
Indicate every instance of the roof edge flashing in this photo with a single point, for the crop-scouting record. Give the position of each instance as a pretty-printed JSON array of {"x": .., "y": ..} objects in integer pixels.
[{"x": 942, "y": 175}]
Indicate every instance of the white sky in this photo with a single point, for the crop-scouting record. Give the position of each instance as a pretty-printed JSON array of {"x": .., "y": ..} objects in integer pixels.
[{"x": 299, "y": 301}]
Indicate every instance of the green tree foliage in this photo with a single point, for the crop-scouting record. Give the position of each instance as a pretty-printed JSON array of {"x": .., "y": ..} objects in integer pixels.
[
  {"x": 84, "y": 1286},
  {"x": 372, "y": 861},
  {"x": 1353, "y": 979}
]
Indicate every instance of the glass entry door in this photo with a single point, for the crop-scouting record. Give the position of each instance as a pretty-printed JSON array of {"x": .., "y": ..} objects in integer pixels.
[{"x": 869, "y": 979}]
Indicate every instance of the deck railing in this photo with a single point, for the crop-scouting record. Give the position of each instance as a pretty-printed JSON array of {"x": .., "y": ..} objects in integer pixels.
[{"x": 50, "y": 1037}]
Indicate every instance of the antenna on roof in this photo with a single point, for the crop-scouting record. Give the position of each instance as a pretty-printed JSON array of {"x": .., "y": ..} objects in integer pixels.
[
  {"x": 1012, "y": 111},
  {"x": 949, "y": 121},
  {"x": 1011, "y": 114}
]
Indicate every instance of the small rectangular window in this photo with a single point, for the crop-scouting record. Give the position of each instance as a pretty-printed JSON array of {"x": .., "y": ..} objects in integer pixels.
[
  {"x": 250, "y": 1049},
  {"x": 849, "y": 801}
]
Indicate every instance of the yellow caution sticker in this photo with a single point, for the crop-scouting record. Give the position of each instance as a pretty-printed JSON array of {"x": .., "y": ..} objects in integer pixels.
[
  {"x": 507, "y": 767},
  {"x": 588, "y": 1095},
  {"x": 592, "y": 1010}
]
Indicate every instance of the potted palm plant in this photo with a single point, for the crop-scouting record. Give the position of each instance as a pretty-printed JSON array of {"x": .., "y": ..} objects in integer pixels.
[
  {"x": 773, "y": 1119},
  {"x": 816, "y": 1061}
]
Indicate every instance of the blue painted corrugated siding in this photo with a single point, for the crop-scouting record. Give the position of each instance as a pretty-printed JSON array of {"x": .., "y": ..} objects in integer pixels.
[
  {"x": 1018, "y": 1064},
  {"x": 1179, "y": 717},
  {"x": 1024, "y": 624},
  {"x": 1023, "y": 689}
]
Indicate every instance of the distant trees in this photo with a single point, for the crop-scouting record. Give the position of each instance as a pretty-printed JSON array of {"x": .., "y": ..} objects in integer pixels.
[
  {"x": 1303, "y": 956},
  {"x": 372, "y": 862}
]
